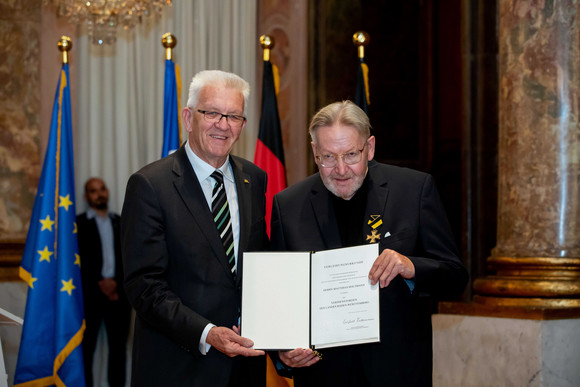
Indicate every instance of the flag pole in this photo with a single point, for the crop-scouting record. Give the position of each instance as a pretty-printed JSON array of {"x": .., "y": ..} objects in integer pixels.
[
  {"x": 169, "y": 41},
  {"x": 171, "y": 98},
  {"x": 64, "y": 45},
  {"x": 50, "y": 351},
  {"x": 361, "y": 95},
  {"x": 361, "y": 39},
  {"x": 267, "y": 42},
  {"x": 270, "y": 157}
]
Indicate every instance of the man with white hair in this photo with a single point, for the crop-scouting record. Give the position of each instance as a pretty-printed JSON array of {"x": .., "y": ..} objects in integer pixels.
[{"x": 186, "y": 220}]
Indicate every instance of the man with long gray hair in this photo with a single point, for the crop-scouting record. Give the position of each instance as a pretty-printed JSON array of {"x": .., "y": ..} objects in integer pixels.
[{"x": 354, "y": 200}]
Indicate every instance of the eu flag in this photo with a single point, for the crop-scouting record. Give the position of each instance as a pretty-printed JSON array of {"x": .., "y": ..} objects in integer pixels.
[
  {"x": 171, "y": 128},
  {"x": 50, "y": 348}
]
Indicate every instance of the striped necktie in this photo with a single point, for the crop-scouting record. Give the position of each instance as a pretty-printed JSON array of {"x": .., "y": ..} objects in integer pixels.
[{"x": 221, "y": 216}]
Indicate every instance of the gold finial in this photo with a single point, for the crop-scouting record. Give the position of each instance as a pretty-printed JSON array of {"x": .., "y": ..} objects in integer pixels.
[
  {"x": 361, "y": 39},
  {"x": 64, "y": 45},
  {"x": 169, "y": 41},
  {"x": 267, "y": 43}
]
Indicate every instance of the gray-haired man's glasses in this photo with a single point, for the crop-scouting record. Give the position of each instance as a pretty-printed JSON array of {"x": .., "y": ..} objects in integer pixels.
[{"x": 330, "y": 160}]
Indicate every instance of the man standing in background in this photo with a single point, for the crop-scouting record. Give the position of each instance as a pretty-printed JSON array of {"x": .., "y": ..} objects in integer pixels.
[{"x": 102, "y": 276}]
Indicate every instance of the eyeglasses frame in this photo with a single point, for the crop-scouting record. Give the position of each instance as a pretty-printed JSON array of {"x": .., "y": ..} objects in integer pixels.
[
  {"x": 342, "y": 157},
  {"x": 227, "y": 116}
]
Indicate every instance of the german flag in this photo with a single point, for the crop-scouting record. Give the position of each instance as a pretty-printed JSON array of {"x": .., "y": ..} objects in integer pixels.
[{"x": 269, "y": 150}]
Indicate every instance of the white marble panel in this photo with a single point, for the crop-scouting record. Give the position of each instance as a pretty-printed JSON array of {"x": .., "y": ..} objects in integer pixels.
[
  {"x": 12, "y": 299},
  {"x": 561, "y": 352},
  {"x": 474, "y": 351}
]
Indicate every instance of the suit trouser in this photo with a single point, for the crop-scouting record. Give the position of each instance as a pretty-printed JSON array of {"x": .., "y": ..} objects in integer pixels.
[
  {"x": 341, "y": 366},
  {"x": 116, "y": 316}
]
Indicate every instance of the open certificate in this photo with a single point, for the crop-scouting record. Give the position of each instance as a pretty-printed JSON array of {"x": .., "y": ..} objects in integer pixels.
[{"x": 310, "y": 300}]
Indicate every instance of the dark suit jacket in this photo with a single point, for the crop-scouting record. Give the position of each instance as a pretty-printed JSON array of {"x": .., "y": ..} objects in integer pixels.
[
  {"x": 303, "y": 220},
  {"x": 176, "y": 272},
  {"x": 91, "y": 253}
]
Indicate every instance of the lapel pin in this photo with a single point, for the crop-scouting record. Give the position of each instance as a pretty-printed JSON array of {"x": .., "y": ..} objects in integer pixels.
[
  {"x": 375, "y": 236},
  {"x": 246, "y": 181},
  {"x": 375, "y": 221},
  {"x": 387, "y": 234}
]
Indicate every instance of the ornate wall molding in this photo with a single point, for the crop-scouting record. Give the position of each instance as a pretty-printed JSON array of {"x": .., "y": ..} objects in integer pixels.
[{"x": 286, "y": 21}]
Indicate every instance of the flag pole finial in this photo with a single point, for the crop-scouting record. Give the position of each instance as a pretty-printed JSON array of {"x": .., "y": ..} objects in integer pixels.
[
  {"x": 361, "y": 39},
  {"x": 267, "y": 43},
  {"x": 64, "y": 46},
  {"x": 169, "y": 41}
]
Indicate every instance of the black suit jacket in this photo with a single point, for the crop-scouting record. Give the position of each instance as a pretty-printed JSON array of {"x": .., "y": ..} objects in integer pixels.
[
  {"x": 415, "y": 225},
  {"x": 91, "y": 253},
  {"x": 176, "y": 272}
]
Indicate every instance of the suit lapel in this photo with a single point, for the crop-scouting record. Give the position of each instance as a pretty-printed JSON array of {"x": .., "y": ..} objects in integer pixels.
[
  {"x": 244, "y": 191},
  {"x": 376, "y": 203},
  {"x": 93, "y": 229},
  {"x": 189, "y": 189},
  {"x": 324, "y": 213}
]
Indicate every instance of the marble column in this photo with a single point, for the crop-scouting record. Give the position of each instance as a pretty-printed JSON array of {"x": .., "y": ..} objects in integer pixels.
[{"x": 537, "y": 257}]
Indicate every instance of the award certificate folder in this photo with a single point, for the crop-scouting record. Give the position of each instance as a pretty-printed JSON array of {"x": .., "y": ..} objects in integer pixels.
[{"x": 310, "y": 300}]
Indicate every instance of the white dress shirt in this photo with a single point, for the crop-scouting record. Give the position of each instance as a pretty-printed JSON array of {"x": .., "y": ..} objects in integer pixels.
[
  {"x": 105, "y": 227},
  {"x": 203, "y": 171}
]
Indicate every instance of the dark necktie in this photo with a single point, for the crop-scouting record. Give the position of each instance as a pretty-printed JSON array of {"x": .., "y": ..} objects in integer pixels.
[{"x": 221, "y": 216}]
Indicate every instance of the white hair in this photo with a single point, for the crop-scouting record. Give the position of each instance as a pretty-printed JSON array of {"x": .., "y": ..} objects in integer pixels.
[{"x": 217, "y": 78}]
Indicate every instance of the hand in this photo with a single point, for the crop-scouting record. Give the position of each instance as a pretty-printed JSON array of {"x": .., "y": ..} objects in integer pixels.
[
  {"x": 109, "y": 288},
  {"x": 231, "y": 343},
  {"x": 298, "y": 357},
  {"x": 388, "y": 265}
]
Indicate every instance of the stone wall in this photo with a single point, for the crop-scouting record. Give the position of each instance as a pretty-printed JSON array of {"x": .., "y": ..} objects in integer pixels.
[{"x": 20, "y": 145}]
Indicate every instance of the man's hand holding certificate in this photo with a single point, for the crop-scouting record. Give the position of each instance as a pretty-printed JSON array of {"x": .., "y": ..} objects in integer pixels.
[{"x": 310, "y": 300}]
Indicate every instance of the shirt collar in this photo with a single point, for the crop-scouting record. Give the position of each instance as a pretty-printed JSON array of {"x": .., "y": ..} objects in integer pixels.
[
  {"x": 203, "y": 170},
  {"x": 91, "y": 213}
]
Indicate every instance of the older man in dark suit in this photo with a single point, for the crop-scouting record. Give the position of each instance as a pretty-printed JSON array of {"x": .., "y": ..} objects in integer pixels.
[
  {"x": 354, "y": 200},
  {"x": 186, "y": 221}
]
